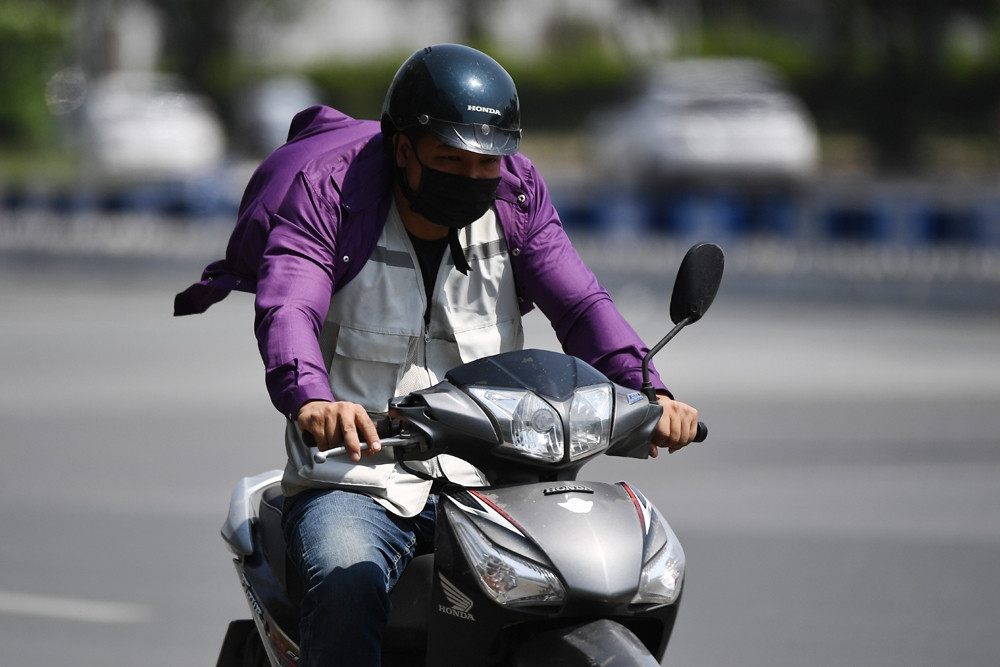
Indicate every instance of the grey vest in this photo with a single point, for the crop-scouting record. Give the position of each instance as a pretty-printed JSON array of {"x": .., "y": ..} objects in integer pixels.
[{"x": 376, "y": 346}]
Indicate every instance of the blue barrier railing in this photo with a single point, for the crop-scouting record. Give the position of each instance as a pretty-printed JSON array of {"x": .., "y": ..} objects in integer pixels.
[{"x": 866, "y": 214}]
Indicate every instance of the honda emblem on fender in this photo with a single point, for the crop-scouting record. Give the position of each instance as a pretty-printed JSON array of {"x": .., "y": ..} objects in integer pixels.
[
  {"x": 567, "y": 488},
  {"x": 461, "y": 604}
]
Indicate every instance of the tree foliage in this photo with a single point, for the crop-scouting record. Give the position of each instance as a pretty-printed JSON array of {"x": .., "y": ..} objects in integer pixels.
[
  {"x": 891, "y": 70},
  {"x": 33, "y": 44}
]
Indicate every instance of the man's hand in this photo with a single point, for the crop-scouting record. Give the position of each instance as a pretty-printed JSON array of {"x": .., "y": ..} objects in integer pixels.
[
  {"x": 339, "y": 423},
  {"x": 677, "y": 426}
]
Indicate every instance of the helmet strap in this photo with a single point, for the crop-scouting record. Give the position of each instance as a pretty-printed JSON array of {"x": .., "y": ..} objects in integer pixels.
[{"x": 457, "y": 254}]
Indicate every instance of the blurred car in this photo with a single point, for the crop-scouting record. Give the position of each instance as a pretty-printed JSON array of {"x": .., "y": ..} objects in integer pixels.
[
  {"x": 266, "y": 109},
  {"x": 703, "y": 118},
  {"x": 145, "y": 126}
]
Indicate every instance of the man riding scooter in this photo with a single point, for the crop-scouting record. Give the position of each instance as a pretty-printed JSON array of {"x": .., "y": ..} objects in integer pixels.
[{"x": 383, "y": 255}]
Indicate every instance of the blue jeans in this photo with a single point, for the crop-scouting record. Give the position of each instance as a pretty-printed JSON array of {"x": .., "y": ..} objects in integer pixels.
[{"x": 349, "y": 551}]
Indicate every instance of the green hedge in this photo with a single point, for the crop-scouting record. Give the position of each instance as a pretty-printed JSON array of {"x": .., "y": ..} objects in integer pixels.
[{"x": 33, "y": 43}]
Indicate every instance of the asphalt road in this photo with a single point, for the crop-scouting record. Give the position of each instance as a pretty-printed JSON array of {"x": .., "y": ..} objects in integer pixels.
[{"x": 845, "y": 511}]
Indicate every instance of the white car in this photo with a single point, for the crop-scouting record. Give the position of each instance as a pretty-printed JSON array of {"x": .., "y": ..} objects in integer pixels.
[
  {"x": 704, "y": 118},
  {"x": 146, "y": 126}
]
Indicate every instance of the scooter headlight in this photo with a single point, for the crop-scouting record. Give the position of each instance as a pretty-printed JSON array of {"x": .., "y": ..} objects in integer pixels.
[
  {"x": 590, "y": 421},
  {"x": 533, "y": 427},
  {"x": 527, "y": 423},
  {"x": 663, "y": 570},
  {"x": 509, "y": 579}
]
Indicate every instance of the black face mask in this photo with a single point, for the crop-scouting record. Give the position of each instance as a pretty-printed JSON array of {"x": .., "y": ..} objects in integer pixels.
[{"x": 449, "y": 199}]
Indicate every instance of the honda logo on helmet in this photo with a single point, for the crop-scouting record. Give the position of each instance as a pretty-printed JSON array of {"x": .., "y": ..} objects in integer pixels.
[{"x": 473, "y": 107}]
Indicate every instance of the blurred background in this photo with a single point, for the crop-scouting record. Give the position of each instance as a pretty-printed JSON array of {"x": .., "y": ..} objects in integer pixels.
[
  {"x": 845, "y": 154},
  {"x": 861, "y": 121}
]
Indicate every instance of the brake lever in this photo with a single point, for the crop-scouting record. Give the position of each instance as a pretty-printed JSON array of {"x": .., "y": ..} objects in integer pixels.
[
  {"x": 321, "y": 457},
  {"x": 395, "y": 441}
]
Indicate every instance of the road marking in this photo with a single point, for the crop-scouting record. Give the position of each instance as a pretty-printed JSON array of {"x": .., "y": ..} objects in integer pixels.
[{"x": 72, "y": 609}]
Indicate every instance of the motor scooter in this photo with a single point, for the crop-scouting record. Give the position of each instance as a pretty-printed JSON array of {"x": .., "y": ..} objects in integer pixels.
[{"x": 536, "y": 568}]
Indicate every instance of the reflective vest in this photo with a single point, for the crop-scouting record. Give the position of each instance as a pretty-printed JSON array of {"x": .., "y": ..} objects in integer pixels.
[{"x": 376, "y": 345}]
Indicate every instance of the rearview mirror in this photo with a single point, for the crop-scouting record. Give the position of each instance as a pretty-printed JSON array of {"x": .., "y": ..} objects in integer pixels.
[{"x": 697, "y": 283}]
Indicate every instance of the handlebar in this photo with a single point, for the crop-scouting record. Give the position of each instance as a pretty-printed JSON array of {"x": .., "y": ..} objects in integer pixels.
[{"x": 418, "y": 440}]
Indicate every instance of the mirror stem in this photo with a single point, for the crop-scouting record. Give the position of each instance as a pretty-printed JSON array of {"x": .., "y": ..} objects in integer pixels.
[{"x": 647, "y": 387}]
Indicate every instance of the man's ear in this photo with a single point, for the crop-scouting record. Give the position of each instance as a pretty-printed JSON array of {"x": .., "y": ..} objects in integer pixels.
[{"x": 401, "y": 148}]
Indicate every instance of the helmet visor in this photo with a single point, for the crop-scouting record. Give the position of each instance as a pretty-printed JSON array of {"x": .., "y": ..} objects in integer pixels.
[{"x": 474, "y": 137}]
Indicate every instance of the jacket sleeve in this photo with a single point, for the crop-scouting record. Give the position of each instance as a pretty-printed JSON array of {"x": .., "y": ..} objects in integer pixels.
[
  {"x": 238, "y": 270},
  {"x": 583, "y": 315},
  {"x": 294, "y": 285}
]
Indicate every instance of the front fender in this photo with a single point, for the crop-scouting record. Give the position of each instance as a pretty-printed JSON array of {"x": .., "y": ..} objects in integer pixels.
[{"x": 596, "y": 644}]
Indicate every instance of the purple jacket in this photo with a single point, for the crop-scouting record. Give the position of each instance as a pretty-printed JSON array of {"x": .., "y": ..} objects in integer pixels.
[{"x": 311, "y": 216}]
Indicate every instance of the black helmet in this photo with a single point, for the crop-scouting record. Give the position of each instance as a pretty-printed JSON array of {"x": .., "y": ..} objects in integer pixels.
[{"x": 457, "y": 94}]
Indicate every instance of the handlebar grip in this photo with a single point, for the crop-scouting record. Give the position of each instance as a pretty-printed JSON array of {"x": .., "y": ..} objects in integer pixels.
[{"x": 702, "y": 432}]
